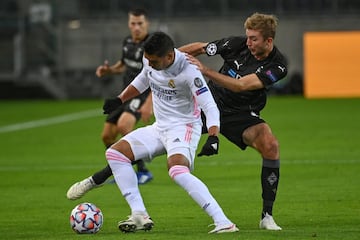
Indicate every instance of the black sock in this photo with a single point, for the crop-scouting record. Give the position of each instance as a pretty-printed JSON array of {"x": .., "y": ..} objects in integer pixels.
[
  {"x": 101, "y": 176},
  {"x": 270, "y": 175},
  {"x": 141, "y": 166}
]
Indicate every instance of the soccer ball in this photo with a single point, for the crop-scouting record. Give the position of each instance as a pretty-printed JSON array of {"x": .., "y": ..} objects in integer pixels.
[{"x": 86, "y": 218}]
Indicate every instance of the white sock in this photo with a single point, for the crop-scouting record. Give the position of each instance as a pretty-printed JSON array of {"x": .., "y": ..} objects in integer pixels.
[
  {"x": 199, "y": 192},
  {"x": 126, "y": 179}
]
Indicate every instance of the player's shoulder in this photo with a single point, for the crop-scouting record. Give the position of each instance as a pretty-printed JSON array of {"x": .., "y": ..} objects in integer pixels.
[
  {"x": 279, "y": 57},
  {"x": 226, "y": 45},
  {"x": 127, "y": 40},
  {"x": 227, "y": 41}
]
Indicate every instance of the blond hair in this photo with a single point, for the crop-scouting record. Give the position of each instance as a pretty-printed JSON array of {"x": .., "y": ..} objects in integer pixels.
[{"x": 264, "y": 23}]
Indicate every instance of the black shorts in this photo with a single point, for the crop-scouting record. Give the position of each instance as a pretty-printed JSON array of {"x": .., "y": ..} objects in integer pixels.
[
  {"x": 233, "y": 126},
  {"x": 131, "y": 106}
]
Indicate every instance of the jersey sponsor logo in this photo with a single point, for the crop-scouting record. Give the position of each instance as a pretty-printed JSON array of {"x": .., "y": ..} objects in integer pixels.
[
  {"x": 161, "y": 93},
  {"x": 198, "y": 83},
  {"x": 201, "y": 91},
  {"x": 272, "y": 77},
  {"x": 211, "y": 49},
  {"x": 171, "y": 83}
]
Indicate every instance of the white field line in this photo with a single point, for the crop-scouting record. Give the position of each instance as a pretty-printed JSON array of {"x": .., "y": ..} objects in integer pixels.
[
  {"x": 53, "y": 167},
  {"x": 50, "y": 121}
]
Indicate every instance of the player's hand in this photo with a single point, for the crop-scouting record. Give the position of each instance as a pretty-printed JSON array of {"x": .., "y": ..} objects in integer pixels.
[
  {"x": 103, "y": 69},
  {"x": 111, "y": 104},
  {"x": 193, "y": 60},
  {"x": 211, "y": 146}
]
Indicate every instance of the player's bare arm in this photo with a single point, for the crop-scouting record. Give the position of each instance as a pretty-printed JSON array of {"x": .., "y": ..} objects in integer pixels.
[
  {"x": 245, "y": 83},
  {"x": 105, "y": 69},
  {"x": 194, "y": 49},
  {"x": 128, "y": 93},
  {"x": 213, "y": 131}
]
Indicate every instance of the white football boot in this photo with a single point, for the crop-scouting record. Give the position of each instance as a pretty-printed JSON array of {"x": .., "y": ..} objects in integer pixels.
[
  {"x": 135, "y": 222},
  {"x": 269, "y": 223},
  {"x": 224, "y": 228},
  {"x": 78, "y": 189}
]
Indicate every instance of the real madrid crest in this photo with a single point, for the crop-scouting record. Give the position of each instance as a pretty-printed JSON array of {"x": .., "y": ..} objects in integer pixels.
[{"x": 171, "y": 83}]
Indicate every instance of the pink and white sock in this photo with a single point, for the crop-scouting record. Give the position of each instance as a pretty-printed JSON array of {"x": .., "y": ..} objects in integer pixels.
[
  {"x": 199, "y": 192},
  {"x": 126, "y": 179}
]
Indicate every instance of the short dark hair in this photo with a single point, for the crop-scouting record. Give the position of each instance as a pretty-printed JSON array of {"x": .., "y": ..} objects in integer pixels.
[
  {"x": 138, "y": 12},
  {"x": 159, "y": 44}
]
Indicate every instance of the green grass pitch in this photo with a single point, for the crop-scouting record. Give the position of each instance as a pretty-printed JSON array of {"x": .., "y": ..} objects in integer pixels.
[{"x": 42, "y": 154}]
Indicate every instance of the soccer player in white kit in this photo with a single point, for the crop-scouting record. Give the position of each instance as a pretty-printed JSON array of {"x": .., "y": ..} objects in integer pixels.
[{"x": 179, "y": 93}]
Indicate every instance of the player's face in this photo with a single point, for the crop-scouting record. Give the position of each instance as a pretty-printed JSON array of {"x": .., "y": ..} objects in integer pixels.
[
  {"x": 258, "y": 46},
  {"x": 138, "y": 26},
  {"x": 160, "y": 63}
]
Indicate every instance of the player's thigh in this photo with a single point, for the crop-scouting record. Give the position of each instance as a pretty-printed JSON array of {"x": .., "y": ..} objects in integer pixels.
[
  {"x": 258, "y": 135},
  {"x": 145, "y": 143},
  {"x": 126, "y": 123},
  {"x": 184, "y": 140},
  {"x": 134, "y": 105}
]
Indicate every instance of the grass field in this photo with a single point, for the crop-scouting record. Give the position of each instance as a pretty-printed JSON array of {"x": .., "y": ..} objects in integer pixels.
[{"x": 47, "y": 145}]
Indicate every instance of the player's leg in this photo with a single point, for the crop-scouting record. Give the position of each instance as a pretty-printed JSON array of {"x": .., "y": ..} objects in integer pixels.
[
  {"x": 119, "y": 156},
  {"x": 260, "y": 137},
  {"x": 108, "y": 136},
  {"x": 126, "y": 123},
  {"x": 180, "y": 161}
]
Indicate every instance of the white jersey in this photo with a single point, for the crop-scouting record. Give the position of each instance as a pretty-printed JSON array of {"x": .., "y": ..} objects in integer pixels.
[{"x": 178, "y": 93}]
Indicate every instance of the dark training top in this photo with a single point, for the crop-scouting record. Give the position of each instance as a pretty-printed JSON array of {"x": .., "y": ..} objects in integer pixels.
[
  {"x": 132, "y": 54},
  {"x": 238, "y": 62}
]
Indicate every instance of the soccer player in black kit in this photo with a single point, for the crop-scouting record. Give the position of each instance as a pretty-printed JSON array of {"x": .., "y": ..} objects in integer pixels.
[
  {"x": 252, "y": 64},
  {"x": 123, "y": 120}
]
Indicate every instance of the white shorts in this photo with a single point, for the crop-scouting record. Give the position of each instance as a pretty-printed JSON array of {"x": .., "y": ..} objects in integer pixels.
[{"x": 149, "y": 142}]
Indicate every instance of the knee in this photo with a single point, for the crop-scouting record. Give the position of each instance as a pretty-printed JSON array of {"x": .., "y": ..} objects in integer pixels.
[
  {"x": 271, "y": 148},
  {"x": 107, "y": 138}
]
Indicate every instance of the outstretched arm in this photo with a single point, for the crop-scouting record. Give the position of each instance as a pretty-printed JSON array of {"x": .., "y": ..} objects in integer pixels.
[
  {"x": 248, "y": 82},
  {"x": 105, "y": 69},
  {"x": 193, "y": 49}
]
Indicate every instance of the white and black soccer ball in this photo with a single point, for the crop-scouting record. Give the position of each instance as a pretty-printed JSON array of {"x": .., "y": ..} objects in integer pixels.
[{"x": 86, "y": 218}]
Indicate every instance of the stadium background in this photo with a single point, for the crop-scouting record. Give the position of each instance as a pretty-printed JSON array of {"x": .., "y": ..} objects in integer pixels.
[
  {"x": 47, "y": 145},
  {"x": 51, "y": 48}
]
